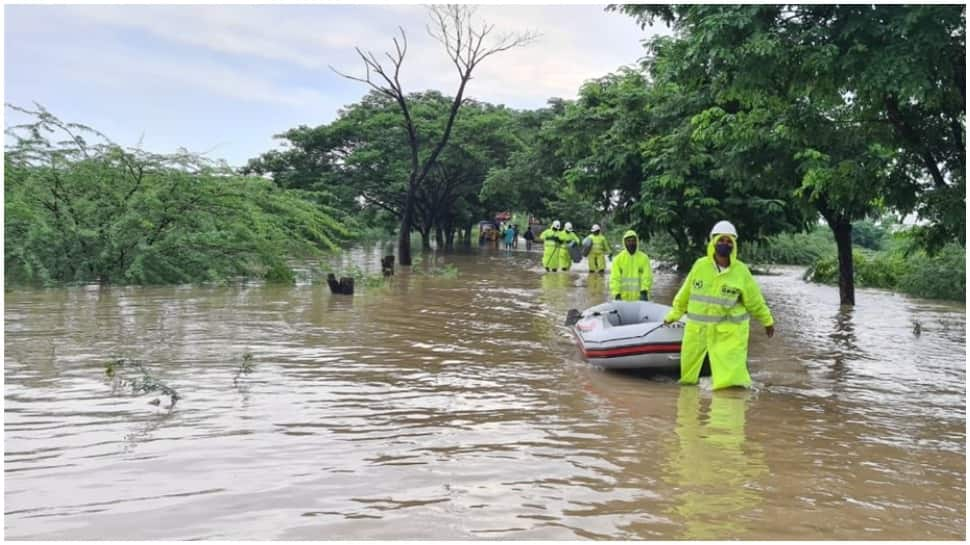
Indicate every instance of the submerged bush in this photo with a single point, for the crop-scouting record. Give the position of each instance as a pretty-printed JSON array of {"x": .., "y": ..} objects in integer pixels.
[
  {"x": 789, "y": 248},
  {"x": 942, "y": 276},
  {"x": 79, "y": 208}
]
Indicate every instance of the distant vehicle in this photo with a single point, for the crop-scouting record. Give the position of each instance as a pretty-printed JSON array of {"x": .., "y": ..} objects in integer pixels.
[{"x": 487, "y": 231}]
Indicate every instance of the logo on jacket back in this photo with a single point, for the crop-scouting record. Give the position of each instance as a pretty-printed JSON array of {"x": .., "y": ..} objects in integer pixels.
[{"x": 698, "y": 284}]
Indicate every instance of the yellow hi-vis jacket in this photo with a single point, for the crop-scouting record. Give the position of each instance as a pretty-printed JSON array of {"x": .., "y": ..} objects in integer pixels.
[
  {"x": 631, "y": 273},
  {"x": 566, "y": 260},
  {"x": 599, "y": 245},
  {"x": 718, "y": 305},
  {"x": 598, "y": 250},
  {"x": 550, "y": 248}
]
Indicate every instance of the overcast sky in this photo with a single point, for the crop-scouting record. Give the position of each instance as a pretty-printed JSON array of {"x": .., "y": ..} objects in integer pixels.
[{"x": 224, "y": 79}]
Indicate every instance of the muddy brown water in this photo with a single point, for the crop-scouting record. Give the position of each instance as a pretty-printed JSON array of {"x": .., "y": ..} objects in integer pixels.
[{"x": 458, "y": 408}]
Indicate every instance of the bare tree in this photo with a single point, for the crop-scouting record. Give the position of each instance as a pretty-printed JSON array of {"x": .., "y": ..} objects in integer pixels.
[{"x": 466, "y": 46}]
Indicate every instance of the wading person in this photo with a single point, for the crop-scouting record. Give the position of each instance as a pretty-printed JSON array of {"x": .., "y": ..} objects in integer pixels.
[
  {"x": 529, "y": 237},
  {"x": 509, "y": 237},
  {"x": 719, "y": 296},
  {"x": 568, "y": 238},
  {"x": 550, "y": 247},
  {"x": 631, "y": 277},
  {"x": 598, "y": 250}
]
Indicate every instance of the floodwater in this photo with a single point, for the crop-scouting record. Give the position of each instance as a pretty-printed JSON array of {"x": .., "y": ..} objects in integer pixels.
[{"x": 441, "y": 407}]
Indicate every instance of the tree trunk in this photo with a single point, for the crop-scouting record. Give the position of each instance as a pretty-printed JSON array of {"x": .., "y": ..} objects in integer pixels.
[
  {"x": 404, "y": 238},
  {"x": 685, "y": 254},
  {"x": 425, "y": 237},
  {"x": 842, "y": 229},
  {"x": 439, "y": 238},
  {"x": 450, "y": 239}
]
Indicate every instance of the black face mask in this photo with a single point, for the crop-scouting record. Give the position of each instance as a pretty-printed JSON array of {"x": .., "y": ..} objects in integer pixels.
[
  {"x": 631, "y": 245},
  {"x": 723, "y": 250}
]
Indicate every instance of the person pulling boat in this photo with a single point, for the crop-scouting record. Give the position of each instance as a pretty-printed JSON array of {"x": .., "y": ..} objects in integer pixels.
[{"x": 718, "y": 297}]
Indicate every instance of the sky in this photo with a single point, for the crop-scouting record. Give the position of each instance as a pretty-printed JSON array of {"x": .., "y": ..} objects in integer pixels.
[{"x": 223, "y": 80}]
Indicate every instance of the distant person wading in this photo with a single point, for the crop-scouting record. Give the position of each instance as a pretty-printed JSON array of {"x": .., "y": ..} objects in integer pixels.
[
  {"x": 550, "y": 247},
  {"x": 598, "y": 251},
  {"x": 567, "y": 238},
  {"x": 631, "y": 277}
]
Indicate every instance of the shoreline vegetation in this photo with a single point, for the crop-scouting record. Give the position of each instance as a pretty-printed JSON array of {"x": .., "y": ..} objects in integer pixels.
[{"x": 85, "y": 210}]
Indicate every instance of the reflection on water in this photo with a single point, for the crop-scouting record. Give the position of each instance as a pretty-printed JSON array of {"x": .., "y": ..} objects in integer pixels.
[
  {"x": 458, "y": 408},
  {"x": 714, "y": 471}
]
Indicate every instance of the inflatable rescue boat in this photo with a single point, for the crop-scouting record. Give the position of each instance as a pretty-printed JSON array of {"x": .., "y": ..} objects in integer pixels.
[{"x": 627, "y": 335}]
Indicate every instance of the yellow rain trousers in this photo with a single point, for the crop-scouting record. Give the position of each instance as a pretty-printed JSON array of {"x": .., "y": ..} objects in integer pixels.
[
  {"x": 550, "y": 248},
  {"x": 718, "y": 305},
  {"x": 597, "y": 253},
  {"x": 565, "y": 260},
  {"x": 631, "y": 273}
]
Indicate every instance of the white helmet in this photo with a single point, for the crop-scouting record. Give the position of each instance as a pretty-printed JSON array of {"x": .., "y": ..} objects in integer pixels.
[
  {"x": 595, "y": 227},
  {"x": 569, "y": 227},
  {"x": 724, "y": 228},
  {"x": 555, "y": 224}
]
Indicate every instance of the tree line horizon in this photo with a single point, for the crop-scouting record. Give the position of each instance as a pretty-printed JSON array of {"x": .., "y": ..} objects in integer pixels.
[{"x": 772, "y": 116}]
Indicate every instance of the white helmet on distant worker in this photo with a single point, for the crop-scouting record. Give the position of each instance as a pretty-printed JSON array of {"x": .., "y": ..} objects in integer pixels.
[
  {"x": 555, "y": 224},
  {"x": 595, "y": 228},
  {"x": 569, "y": 227},
  {"x": 724, "y": 228}
]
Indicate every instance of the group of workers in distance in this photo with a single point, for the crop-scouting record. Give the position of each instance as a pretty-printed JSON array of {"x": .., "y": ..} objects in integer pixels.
[
  {"x": 555, "y": 246},
  {"x": 718, "y": 298}
]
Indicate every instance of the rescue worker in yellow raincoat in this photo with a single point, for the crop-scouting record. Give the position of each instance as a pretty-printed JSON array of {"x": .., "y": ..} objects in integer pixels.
[
  {"x": 719, "y": 296},
  {"x": 550, "y": 247},
  {"x": 598, "y": 250},
  {"x": 568, "y": 238},
  {"x": 631, "y": 277}
]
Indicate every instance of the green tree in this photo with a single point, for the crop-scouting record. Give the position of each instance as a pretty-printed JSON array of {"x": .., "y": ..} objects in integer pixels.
[
  {"x": 632, "y": 143},
  {"x": 366, "y": 159},
  {"x": 868, "y": 99},
  {"x": 533, "y": 172},
  {"x": 466, "y": 47},
  {"x": 80, "y": 208}
]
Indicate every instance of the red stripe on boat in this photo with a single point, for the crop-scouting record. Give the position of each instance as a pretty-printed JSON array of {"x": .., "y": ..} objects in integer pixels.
[{"x": 632, "y": 350}]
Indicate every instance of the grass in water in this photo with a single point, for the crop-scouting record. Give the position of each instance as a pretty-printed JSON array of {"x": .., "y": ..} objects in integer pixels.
[
  {"x": 131, "y": 374},
  {"x": 448, "y": 270},
  {"x": 361, "y": 277},
  {"x": 245, "y": 367}
]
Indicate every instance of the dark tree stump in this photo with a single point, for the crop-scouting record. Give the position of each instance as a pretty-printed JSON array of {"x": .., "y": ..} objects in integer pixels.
[
  {"x": 347, "y": 285},
  {"x": 343, "y": 287},
  {"x": 387, "y": 265}
]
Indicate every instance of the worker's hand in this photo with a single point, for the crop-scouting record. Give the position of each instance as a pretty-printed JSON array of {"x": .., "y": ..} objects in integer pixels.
[
  {"x": 668, "y": 322},
  {"x": 643, "y": 295},
  {"x": 770, "y": 330},
  {"x": 618, "y": 296}
]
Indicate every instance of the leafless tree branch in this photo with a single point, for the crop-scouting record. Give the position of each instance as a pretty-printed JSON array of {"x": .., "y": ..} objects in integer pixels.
[{"x": 465, "y": 44}]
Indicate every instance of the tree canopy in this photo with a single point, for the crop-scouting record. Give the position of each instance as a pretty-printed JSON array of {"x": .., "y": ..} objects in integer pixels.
[{"x": 79, "y": 208}]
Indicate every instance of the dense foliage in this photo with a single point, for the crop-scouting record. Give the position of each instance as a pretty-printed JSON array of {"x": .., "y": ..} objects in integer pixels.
[
  {"x": 79, "y": 208},
  {"x": 854, "y": 109},
  {"x": 780, "y": 118},
  {"x": 938, "y": 276}
]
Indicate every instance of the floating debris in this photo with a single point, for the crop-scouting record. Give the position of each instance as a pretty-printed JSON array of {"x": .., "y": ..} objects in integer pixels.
[
  {"x": 145, "y": 382},
  {"x": 245, "y": 368}
]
